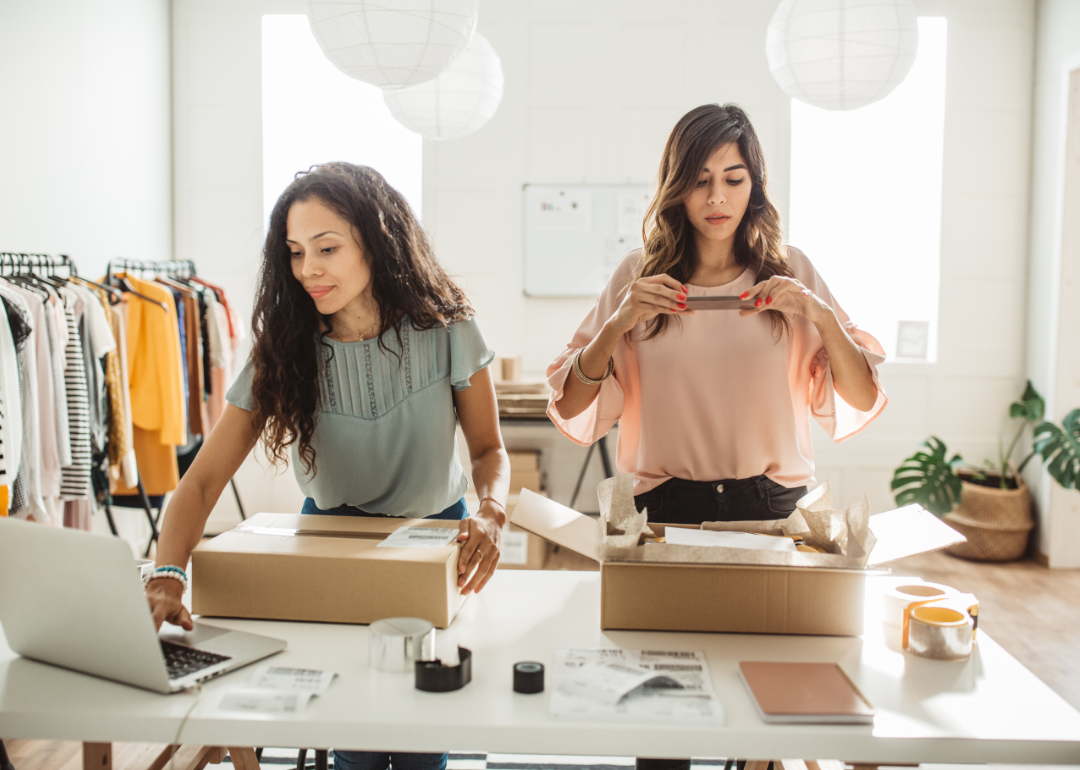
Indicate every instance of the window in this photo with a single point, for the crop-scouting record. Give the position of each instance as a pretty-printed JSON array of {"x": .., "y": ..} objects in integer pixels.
[
  {"x": 866, "y": 202},
  {"x": 312, "y": 114}
]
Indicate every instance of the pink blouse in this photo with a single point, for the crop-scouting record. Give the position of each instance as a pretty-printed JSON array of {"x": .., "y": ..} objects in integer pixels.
[{"x": 716, "y": 396}]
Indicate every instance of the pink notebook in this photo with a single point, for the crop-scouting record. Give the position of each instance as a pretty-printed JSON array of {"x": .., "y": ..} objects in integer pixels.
[{"x": 809, "y": 693}]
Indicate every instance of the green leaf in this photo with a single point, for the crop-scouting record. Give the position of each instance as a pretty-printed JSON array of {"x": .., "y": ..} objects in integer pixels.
[
  {"x": 1060, "y": 449},
  {"x": 929, "y": 478},
  {"x": 1030, "y": 407}
]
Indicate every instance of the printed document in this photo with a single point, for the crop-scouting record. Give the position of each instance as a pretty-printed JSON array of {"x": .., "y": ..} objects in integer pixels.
[{"x": 618, "y": 685}]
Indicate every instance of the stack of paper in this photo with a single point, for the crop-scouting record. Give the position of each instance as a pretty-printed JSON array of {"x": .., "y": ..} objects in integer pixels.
[{"x": 634, "y": 685}]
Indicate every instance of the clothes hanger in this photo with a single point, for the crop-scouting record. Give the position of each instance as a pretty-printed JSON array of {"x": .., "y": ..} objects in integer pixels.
[{"x": 124, "y": 284}]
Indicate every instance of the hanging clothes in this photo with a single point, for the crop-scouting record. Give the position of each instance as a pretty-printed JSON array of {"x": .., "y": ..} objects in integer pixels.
[
  {"x": 11, "y": 417},
  {"x": 158, "y": 411}
]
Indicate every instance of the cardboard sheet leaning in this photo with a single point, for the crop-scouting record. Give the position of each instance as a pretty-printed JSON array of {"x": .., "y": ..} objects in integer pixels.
[{"x": 666, "y": 587}]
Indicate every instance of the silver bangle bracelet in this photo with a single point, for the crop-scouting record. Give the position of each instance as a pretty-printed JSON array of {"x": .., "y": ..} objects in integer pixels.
[{"x": 576, "y": 366}]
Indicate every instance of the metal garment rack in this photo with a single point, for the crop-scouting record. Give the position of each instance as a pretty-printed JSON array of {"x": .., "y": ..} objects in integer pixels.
[{"x": 183, "y": 270}]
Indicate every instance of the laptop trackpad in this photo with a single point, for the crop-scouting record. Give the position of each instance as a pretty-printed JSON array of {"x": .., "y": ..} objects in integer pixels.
[{"x": 202, "y": 633}]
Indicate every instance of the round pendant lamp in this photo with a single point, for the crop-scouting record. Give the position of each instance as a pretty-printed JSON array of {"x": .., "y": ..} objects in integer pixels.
[
  {"x": 456, "y": 103},
  {"x": 841, "y": 54},
  {"x": 392, "y": 43}
]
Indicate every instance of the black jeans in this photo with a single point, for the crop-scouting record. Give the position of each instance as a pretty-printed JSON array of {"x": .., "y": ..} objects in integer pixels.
[{"x": 678, "y": 501}]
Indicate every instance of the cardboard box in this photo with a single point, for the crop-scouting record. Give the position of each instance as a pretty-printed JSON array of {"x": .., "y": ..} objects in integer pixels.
[
  {"x": 324, "y": 568},
  {"x": 523, "y": 460},
  {"x": 522, "y": 550},
  {"x": 532, "y": 480},
  {"x": 693, "y": 588}
]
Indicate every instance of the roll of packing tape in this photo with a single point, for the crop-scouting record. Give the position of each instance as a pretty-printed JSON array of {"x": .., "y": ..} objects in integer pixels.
[
  {"x": 436, "y": 676},
  {"x": 398, "y": 643},
  {"x": 939, "y": 633},
  {"x": 529, "y": 677},
  {"x": 895, "y": 599}
]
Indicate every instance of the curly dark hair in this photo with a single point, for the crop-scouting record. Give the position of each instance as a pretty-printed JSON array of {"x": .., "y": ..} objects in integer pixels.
[
  {"x": 668, "y": 234},
  {"x": 407, "y": 281}
]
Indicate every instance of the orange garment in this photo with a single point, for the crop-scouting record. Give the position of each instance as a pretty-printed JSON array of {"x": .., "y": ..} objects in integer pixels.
[
  {"x": 158, "y": 411},
  {"x": 4, "y": 501}
]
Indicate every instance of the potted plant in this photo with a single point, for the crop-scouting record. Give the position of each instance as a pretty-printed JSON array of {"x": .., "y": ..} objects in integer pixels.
[{"x": 991, "y": 505}]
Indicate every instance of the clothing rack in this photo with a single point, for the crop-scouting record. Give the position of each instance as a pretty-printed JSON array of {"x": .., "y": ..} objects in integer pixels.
[
  {"x": 184, "y": 270},
  {"x": 14, "y": 263},
  {"x": 21, "y": 263}
]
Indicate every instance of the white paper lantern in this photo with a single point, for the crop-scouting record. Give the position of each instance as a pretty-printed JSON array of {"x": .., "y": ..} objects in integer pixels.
[
  {"x": 392, "y": 43},
  {"x": 841, "y": 54},
  {"x": 456, "y": 103}
]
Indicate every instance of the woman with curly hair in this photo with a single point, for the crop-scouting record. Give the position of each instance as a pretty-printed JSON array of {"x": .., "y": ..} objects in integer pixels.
[
  {"x": 714, "y": 406},
  {"x": 364, "y": 353}
]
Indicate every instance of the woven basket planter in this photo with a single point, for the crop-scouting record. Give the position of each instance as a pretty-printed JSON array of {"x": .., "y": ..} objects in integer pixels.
[{"x": 996, "y": 522}]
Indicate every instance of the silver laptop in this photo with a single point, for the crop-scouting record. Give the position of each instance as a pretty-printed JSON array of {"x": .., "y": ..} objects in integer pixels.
[{"x": 75, "y": 600}]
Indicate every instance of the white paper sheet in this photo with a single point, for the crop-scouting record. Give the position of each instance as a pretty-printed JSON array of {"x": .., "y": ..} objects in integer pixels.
[
  {"x": 420, "y": 537},
  {"x": 680, "y": 536},
  {"x": 265, "y": 701},
  {"x": 292, "y": 679},
  {"x": 633, "y": 686}
]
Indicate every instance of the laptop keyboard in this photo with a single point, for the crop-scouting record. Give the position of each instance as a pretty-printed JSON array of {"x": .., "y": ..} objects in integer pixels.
[{"x": 181, "y": 661}]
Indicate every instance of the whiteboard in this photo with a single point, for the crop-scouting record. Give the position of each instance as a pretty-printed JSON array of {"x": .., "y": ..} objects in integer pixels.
[{"x": 576, "y": 235}]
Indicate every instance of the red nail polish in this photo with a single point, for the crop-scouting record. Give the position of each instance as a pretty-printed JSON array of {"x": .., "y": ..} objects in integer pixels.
[
  {"x": 744, "y": 295},
  {"x": 684, "y": 289},
  {"x": 757, "y": 302},
  {"x": 681, "y": 297},
  {"x": 682, "y": 306},
  {"x": 768, "y": 301}
]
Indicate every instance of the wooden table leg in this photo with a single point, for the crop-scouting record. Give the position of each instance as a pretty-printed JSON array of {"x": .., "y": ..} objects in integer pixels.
[
  {"x": 96, "y": 756},
  {"x": 243, "y": 758}
]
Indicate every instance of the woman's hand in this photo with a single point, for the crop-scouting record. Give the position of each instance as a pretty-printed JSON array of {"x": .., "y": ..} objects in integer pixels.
[
  {"x": 164, "y": 596},
  {"x": 786, "y": 295},
  {"x": 481, "y": 536},
  {"x": 648, "y": 298}
]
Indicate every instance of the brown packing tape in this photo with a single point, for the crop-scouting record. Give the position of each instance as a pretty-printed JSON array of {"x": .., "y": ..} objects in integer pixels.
[
  {"x": 940, "y": 633},
  {"x": 965, "y": 604}
]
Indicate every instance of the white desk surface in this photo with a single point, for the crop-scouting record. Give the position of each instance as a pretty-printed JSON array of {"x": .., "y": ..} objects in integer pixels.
[{"x": 988, "y": 709}]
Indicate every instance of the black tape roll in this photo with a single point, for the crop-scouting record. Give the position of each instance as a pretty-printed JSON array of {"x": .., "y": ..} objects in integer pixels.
[
  {"x": 528, "y": 677},
  {"x": 433, "y": 676}
]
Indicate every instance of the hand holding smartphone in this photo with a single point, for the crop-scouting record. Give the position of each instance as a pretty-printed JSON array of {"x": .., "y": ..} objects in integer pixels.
[{"x": 719, "y": 302}]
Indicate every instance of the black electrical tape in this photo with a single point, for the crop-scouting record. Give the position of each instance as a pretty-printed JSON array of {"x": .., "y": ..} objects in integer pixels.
[
  {"x": 528, "y": 677},
  {"x": 433, "y": 676}
]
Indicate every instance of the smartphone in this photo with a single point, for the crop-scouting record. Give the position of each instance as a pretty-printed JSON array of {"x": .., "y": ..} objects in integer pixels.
[{"x": 719, "y": 302}]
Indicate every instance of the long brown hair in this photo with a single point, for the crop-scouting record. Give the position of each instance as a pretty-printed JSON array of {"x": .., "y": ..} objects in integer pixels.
[
  {"x": 286, "y": 327},
  {"x": 668, "y": 234}
]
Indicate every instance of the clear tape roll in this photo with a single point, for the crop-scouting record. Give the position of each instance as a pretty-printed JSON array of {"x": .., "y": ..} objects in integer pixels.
[
  {"x": 939, "y": 633},
  {"x": 897, "y": 598},
  {"x": 395, "y": 644}
]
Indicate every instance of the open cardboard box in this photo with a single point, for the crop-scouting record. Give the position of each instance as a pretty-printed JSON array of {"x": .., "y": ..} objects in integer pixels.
[
  {"x": 279, "y": 566},
  {"x": 666, "y": 587}
]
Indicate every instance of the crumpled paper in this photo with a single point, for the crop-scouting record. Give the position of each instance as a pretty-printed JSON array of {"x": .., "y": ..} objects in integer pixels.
[{"x": 845, "y": 534}]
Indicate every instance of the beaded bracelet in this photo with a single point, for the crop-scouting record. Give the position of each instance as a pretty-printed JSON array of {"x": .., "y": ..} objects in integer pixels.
[{"x": 175, "y": 573}]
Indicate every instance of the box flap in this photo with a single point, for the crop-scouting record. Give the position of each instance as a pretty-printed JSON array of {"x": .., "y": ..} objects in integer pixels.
[
  {"x": 557, "y": 523},
  {"x": 909, "y": 531}
]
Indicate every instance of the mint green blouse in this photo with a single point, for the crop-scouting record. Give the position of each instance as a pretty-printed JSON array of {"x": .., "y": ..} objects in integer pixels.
[{"x": 385, "y": 438}]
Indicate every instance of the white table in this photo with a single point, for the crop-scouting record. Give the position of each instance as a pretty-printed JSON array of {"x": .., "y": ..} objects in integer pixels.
[{"x": 989, "y": 709}]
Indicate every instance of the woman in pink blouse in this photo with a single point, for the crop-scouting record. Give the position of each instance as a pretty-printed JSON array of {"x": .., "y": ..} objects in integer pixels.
[{"x": 714, "y": 406}]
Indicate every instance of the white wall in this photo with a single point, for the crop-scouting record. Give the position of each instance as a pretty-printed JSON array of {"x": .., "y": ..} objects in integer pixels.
[
  {"x": 1053, "y": 358},
  {"x": 592, "y": 89},
  {"x": 85, "y": 142}
]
